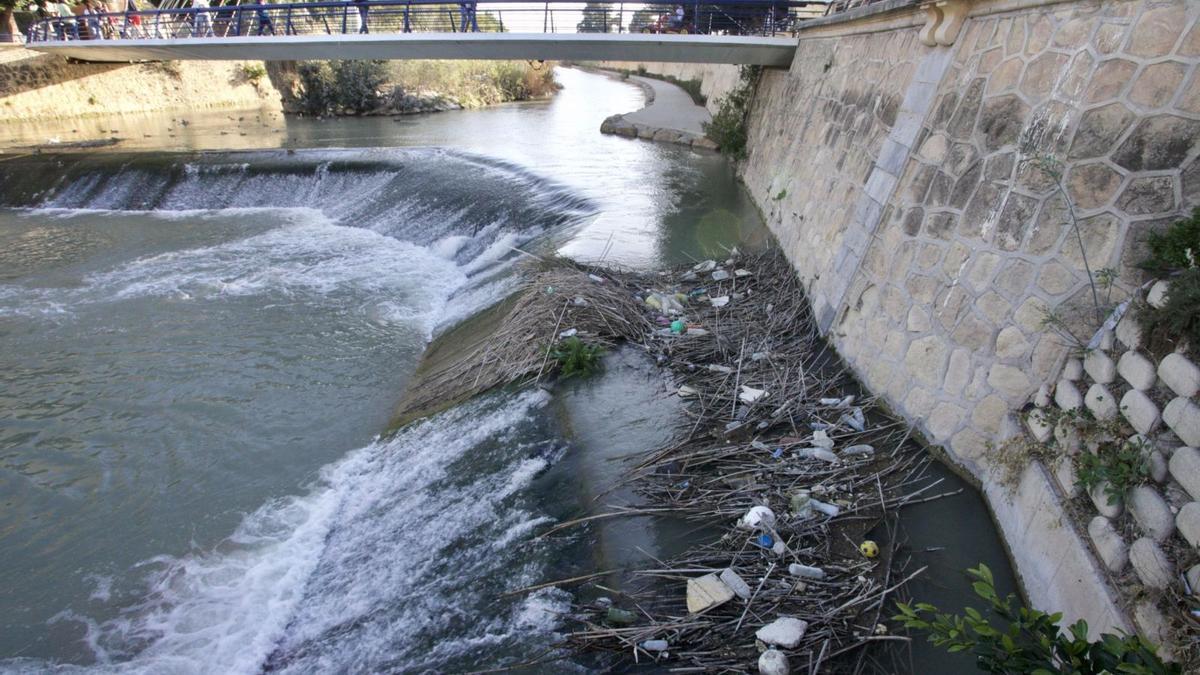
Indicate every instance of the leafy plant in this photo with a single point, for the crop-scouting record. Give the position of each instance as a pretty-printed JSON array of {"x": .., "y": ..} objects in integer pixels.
[
  {"x": 577, "y": 358},
  {"x": 253, "y": 72},
  {"x": 1119, "y": 465},
  {"x": 1175, "y": 249},
  {"x": 1024, "y": 640},
  {"x": 728, "y": 126},
  {"x": 341, "y": 86},
  {"x": 1178, "y": 320}
]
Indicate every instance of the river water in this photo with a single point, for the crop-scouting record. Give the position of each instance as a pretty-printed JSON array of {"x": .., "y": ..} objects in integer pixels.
[{"x": 202, "y": 344}]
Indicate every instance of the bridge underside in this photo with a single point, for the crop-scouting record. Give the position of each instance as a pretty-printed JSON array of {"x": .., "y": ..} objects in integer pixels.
[{"x": 764, "y": 51}]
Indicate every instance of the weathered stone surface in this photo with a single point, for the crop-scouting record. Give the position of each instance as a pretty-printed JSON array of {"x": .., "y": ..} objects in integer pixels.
[
  {"x": 1151, "y": 564},
  {"x": 1140, "y": 411},
  {"x": 1011, "y": 343},
  {"x": 1015, "y": 219},
  {"x": 1041, "y": 74},
  {"x": 973, "y": 332},
  {"x": 1011, "y": 382},
  {"x": 1185, "y": 469},
  {"x": 1038, "y": 425},
  {"x": 982, "y": 268},
  {"x": 918, "y": 319},
  {"x": 989, "y": 414},
  {"x": 1157, "y": 143},
  {"x": 926, "y": 359},
  {"x": 945, "y": 420},
  {"x": 1099, "y": 234},
  {"x": 1099, "y": 366},
  {"x": 1153, "y": 625},
  {"x": 1093, "y": 185},
  {"x": 1073, "y": 369},
  {"x": 981, "y": 212},
  {"x": 1002, "y": 118},
  {"x": 1067, "y": 396},
  {"x": 1055, "y": 278},
  {"x": 1005, "y": 76},
  {"x": 1180, "y": 374},
  {"x": 1013, "y": 281},
  {"x": 1101, "y": 402},
  {"x": 783, "y": 632},
  {"x": 1188, "y": 522},
  {"x": 1136, "y": 369},
  {"x": 1159, "y": 470},
  {"x": 1183, "y": 417},
  {"x": 1105, "y": 505},
  {"x": 1129, "y": 332},
  {"x": 1113, "y": 551},
  {"x": 1108, "y": 38},
  {"x": 1146, "y": 196},
  {"x": 1099, "y": 130},
  {"x": 1151, "y": 512},
  {"x": 963, "y": 123},
  {"x": 1157, "y": 30},
  {"x": 965, "y": 186},
  {"x": 1156, "y": 85},
  {"x": 958, "y": 373},
  {"x": 1111, "y": 76}
]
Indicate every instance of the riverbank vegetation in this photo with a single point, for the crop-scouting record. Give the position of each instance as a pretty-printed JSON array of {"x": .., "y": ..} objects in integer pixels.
[
  {"x": 399, "y": 87},
  {"x": 728, "y": 126}
]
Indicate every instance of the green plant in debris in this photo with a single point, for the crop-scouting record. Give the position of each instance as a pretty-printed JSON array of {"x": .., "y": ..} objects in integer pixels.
[
  {"x": 780, "y": 195},
  {"x": 1119, "y": 465},
  {"x": 1177, "y": 248},
  {"x": 728, "y": 126},
  {"x": 1015, "y": 639},
  {"x": 1065, "y": 323},
  {"x": 576, "y": 358},
  {"x": 1178, "y": 320},
  {"x": 253, "y": 72}
]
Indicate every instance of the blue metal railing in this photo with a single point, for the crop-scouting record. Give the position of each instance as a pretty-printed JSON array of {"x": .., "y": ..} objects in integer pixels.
[{"x": 731, "y": 17}]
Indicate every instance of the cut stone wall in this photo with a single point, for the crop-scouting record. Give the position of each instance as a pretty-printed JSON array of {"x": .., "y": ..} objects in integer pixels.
[{"x": 36, "y": 86}]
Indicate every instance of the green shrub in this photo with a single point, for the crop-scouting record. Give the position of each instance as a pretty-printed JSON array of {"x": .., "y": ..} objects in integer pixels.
[
  {"x": 576, "y": 358},
  {"x": 341, "y": 86},
  {"x": 317, "y": 87},
  {"x": 1177, "y": 322},
  {"x": 728, "y": 126},
  {"x": 1121, "y": 465},
  {"x": 253, "y": 72},
  {"x": 1025, "y": 640},
  {"x": 1175, "y": 249}
]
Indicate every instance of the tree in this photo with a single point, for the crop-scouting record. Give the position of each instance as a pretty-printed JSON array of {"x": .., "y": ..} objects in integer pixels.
[
  {"x": 8, "y": 22},
  {"x": 647, "y": 16},
  {"x": 599, "y": 18}
]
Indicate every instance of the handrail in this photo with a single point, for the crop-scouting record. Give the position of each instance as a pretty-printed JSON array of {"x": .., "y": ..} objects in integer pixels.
[{"x": 739, "y": 17}]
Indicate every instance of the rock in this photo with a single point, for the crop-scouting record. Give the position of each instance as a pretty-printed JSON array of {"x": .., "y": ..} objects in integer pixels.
[
  {"x": 1158, "y": 466},
  {"x": 1067, "y": 395},
  {"x": 1193, "y": 579},
  {"x": 735, "y": 583},
  {"x": 1100, "y": 499},
  {"x": 1038, "y": 426},
  {"x": 1109, "y": 543},
  {"x": 783, "y": 632},
  {"x": 1180, "y": 374},
  {"x": 1072, "y": 370},
  {"x": 773, "y": 662},
  {"x": 1099, "y": 366},
  {"x": 1157, "y": 296},
  {"x": 758, "y": 518},
  {"x": 1101, "y": 402},
  {"x": 707, "y": 592},
  {"x": 1042, "y": 398},
  {"x": 1188, "y": 522},
  {"x": 1140, "y": 411},
  {"x": 1185, "y": 468},
  {"x": 1184, "y": 419},
  {"x": 1129, "y": 332},
  {"x": 1137, "y": 370},
  {"x": 1150, "y": 563},
  {"x": 1151, "y": 512}
]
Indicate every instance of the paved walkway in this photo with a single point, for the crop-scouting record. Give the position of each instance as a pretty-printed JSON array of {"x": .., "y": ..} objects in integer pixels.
[{"x": 672, "y": 108}]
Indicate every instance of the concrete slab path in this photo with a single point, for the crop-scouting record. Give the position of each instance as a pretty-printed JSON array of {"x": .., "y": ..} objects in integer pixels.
[{"x": 672, "y": 108}]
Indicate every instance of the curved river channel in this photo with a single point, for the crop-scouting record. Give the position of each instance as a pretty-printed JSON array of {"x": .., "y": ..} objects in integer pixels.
[{"x": 200, "y": 347}]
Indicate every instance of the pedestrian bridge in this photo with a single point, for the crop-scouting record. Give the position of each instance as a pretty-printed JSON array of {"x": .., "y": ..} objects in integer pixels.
[{"x": 734, "y": 32}]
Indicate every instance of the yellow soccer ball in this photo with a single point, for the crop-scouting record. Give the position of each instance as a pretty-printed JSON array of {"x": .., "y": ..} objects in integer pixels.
[{"x": 869, "y": 548}]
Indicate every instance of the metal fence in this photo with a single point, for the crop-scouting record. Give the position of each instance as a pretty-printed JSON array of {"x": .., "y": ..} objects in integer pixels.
[{"x": 733, "y": 17}]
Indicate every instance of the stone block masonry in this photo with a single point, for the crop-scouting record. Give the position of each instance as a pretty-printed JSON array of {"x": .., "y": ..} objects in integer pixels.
[{"x": 907, "y": 185}]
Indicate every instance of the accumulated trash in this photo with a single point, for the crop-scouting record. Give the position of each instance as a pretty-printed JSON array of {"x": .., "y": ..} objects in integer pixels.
[
  {"x": 817, "y": 453},
  {"x": 719, "y": 302},
  {"x": 758, "y": 518},
  {"x": 742, "y": 273},
  {"x": 720, "y": 275},
  {"x": 596, "y": 279},
  {"x": 869, "y": 548},
  {"x": 750, "y": 395},
  {"x": 783, "y": 632},
  {"x": 855, "y": 419},
  {"x": 707, "y": 592},
  {"x": 861, "y": 449},
  {"x": 706, "y": 266},
  {"x": 801, "y": 504},
  {"x": 720, "y": 369},
  {"x": 686, "y": 391},
  {"x": 806, "y": 571},
  {"x": 655, "y": 645},
  {"x": 821, "y": 439},
  {"x": 667, "y": 304},
  {"x": 619, "y": 617},
  {"x": 773, "y": 662},
  {"x": 735, "y": 583},
  {"x": 678, "y": 327},
  {"x": 830, "y": 510}
]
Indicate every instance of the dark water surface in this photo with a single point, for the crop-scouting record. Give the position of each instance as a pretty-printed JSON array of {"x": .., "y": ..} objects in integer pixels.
[{"x": 200, "y": 342}]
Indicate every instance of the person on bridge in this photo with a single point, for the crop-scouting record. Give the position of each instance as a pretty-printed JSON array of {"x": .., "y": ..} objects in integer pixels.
[
  {"x": 264, "y": 21},
  {"x": 65, "y": 26},
  {"x": 133, "y": 21},
  {"x": 363, "y": 8},
  {"x": 466, "y": 11},
  {"x": 677, "y": 18},
  {"x": 201, "y": 21}
]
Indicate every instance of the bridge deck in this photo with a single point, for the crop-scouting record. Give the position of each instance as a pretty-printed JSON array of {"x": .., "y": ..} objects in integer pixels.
[{"x": 765, "y": 51}]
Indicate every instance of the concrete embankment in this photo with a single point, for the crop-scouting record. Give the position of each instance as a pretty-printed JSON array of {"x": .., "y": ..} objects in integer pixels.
[
  {"x": 37, "y": 86},
  {"x": 670, "y": 116},
  {"x": 894, "y": 162}
]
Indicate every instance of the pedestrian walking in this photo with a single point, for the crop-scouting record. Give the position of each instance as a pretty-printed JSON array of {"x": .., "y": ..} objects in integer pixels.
[
  {"x": 363, "y": 8},
  {"x": 265, "y": 27},
  {"x": 201, "y": 21}
]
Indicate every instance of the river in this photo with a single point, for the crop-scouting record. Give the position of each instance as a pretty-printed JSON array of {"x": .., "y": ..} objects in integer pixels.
[{"x": 202, "y": 346}]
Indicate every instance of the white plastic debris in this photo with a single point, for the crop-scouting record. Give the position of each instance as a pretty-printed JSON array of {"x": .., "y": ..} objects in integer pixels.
[
  {"x": 801, "y": 504},
  {"x": 759, "y": 356},
  {"x": 707, "y": 592},
  {"x": 686, "y": 391},
  {"x": 783, "y": 632},
  {"x": 720, "y": 369},
  {"x": 855, "y": 419},
  {"x": 741, "y": 273},
  {"x": 596, "y": 279},
  {"x": 758, "y": 518},
  {"x": 773, "y": 662},
  {"x": 806, "y": 571},
  {"x": 719, "y": 302},
  {"x": 778, "y": 548},
  {"x": 750, "y": 395},
  {"x": 570, "y": 332},
  {"x": 863, "y": 449},
  {"x": 579, "y": 301},
  {"x": 735, "y": 583},
  {"x": 821, "y": 439},
  {"x": 720, "y": 275},
  {"x": 829, "y": 401},
  {"x": 697, "y": 331},
  {"x": 817, "y": 453},
  {"x": 706, "y": 266},
  {"x": 655, "y": 645},
  {"x": 828, "y": 509}
]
